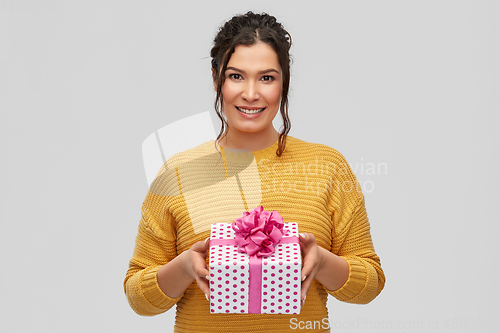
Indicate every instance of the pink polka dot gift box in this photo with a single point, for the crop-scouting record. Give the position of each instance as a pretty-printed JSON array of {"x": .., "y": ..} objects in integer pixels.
[{"x": 255, "y": 265}]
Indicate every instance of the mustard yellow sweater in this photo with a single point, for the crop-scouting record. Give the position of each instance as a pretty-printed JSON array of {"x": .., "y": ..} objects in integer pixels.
[{"x": 311, "y": 184}]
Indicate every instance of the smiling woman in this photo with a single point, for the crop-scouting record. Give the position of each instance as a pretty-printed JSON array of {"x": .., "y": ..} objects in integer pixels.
[
  {"x": 254, "y": 50},
  {"x": 216, "y": 181},
  {"x": 251, "y": 97}
]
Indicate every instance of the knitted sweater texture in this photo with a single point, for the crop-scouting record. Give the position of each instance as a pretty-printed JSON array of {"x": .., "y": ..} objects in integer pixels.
[{"x": 311, "y": 184}]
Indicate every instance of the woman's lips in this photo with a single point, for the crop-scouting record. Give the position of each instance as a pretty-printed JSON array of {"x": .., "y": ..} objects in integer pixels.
[{"x": 249, "y": 110}]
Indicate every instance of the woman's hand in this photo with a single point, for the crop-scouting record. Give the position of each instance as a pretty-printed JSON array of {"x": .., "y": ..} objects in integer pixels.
[
  {"x": 194, "y": 264},
  {"x": 312, "y": 262},
  {"x": 177, "y": 275},
  {"x": 331, "y": 270}
]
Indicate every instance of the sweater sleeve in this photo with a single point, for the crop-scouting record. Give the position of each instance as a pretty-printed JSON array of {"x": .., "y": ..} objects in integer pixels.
[
  {"x": 352, "y": 241},
  {"x": 155, "y": 245}
]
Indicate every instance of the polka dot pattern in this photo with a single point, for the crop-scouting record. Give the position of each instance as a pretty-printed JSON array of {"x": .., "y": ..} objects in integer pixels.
[
  {"x": 229, "y": 273},
  {"x": 281, "y": 277}
]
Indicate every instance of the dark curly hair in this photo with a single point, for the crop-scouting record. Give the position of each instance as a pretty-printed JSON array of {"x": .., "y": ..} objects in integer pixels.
[{"x": 248, "y": 29}]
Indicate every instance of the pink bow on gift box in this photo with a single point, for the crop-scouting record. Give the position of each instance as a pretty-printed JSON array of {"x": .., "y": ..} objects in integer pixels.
[{"x": 258, "y": 231}]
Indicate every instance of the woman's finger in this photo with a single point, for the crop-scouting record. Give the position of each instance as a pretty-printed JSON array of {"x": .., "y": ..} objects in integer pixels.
[
  {"x": 202, "y": 270},
  {"x": 308, "y": 274},
  {"x": 199, "y": 265},
  {"x": 310, "y": 260},
  {"x": 306, "y": 285},
  {"x": 203, "y": 285},
  {"x": 309, "y": 249},
  {"x": 307, "y": 268},
  {"x": 307, "y": 239}
]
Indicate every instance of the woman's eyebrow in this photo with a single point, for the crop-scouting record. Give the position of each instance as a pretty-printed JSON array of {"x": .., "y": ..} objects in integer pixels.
[{"x": 260, "y": 72}]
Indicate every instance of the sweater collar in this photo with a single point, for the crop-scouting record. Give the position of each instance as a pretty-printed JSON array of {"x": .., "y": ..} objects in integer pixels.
[{"x": 242, "y": 156}]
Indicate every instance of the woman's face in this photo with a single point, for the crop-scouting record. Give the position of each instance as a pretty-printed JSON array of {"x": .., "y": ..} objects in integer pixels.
[{"x": 251, "y": 93}]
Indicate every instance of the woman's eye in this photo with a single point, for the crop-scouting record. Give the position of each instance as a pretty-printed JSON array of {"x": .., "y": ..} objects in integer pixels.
[
  {"x": 267, "y": 78},
  {"x": 235, "y": 76}
]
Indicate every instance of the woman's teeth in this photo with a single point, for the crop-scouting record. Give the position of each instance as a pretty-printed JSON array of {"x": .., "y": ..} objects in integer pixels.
[{"x": 250, "y": 111}]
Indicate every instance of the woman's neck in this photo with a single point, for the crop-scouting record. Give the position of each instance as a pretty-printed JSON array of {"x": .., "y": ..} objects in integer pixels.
[{"x": 249, "y": 141}]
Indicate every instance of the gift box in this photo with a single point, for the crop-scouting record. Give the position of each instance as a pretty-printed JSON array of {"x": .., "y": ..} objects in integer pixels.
[{"x": 255, "y": 265}]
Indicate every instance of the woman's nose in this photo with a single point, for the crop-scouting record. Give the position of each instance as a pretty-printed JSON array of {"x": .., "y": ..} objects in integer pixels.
[{"x": 250, "y": 92}]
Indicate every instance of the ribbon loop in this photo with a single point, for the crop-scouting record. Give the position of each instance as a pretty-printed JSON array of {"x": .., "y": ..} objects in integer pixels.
[{"x": 258, "y": 231}]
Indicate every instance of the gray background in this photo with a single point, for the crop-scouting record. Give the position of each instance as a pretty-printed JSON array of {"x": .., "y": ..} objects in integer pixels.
[{"x": 411, "y": 86}]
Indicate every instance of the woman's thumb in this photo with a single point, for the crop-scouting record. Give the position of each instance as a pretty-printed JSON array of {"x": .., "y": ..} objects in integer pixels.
[
  {"x": 206, "y": 244},
  {"x": 302, "y": 237},
  {"x": 201, "y": 246}
]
